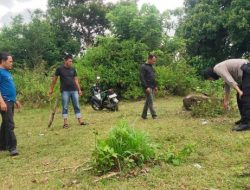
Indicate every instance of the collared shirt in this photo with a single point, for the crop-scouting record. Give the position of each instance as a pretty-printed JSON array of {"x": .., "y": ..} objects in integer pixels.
[
  {"x": 7, "y": 86},
  {"x": 147, "y": 76},
  {"x": 230, "y": 71}
]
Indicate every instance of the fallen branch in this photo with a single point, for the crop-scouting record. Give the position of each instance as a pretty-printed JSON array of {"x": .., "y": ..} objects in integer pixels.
[
  {"x": 107, "y": 176},
  {"x": 60, "y": 169}
]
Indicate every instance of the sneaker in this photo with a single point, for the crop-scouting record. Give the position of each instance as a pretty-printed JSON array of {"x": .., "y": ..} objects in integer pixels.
[
  {"x": 14, "y": 152},
  {"x": 144, "y": 117},
  {"x": 154, "y": 116},
  {"x": 241, "y": 127}
]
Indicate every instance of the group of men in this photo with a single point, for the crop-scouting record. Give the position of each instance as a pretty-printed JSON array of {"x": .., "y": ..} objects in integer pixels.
[
  {"x": 69, "y": 87},
  {"x": 230, "y": 71}
]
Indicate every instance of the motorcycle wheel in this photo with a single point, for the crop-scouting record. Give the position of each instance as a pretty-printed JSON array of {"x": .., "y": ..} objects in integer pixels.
[
  {"x": 115, "y": 107},
  {"x": 95, "y": 105}
]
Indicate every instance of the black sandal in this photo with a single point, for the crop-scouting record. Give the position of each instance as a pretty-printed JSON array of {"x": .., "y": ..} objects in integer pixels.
[{"x": 65, "y": 126}]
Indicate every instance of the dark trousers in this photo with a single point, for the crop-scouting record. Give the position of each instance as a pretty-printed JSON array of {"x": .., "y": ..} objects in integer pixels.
[
  {"x": 239, "y": 103},
  {"x": 7, "y": 136},
  {"x": 149, "y": 105},
  {"x": 245, "y": 99}
]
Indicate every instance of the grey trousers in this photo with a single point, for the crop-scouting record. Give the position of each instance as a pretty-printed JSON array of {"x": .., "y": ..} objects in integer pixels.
[{"x": 149, "y": 105}]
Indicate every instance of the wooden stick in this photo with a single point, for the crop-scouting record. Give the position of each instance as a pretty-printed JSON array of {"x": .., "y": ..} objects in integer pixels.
[
  {"x": 53, "y": 112},
  {"x": 107, "y": 176},
  {"x": 60, "y": 169}
]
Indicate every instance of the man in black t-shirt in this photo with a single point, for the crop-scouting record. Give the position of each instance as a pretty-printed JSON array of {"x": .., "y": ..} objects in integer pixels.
[{"x": 70, "y": 89}]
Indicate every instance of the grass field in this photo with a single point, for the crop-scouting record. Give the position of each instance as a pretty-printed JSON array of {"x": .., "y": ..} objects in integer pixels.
[{"x": 224, "y": 156}]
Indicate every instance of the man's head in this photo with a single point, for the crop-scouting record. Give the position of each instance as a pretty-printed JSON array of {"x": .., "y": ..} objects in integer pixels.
[
  {"x": 151, "y": 59},
  {"x": 209, "y": 74},
  {"x": 68, "y": 60},
  {"x": 6, "y": 61}
]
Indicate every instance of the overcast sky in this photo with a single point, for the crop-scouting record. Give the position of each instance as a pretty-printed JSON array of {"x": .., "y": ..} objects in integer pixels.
[{"x": 10, "y": 8}]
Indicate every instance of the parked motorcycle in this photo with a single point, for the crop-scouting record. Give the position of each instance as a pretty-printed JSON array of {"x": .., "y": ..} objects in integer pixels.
[{"x": 103, "y": 99}]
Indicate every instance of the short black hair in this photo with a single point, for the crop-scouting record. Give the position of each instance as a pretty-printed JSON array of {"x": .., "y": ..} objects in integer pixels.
[
  {"x": 68, "y": 56},
  {"x": 151, "y": 56},
  {"x": 4, "y": 56},
  {"x": 209, "y": 73}
]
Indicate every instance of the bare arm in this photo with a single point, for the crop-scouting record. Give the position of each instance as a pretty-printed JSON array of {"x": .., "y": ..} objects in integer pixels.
[
  {"x": 3, "y": 106},
  {"x": 239, "y": 91},
  {"x": 78, "y": 86},
  {"x": 52, "y": 85}
]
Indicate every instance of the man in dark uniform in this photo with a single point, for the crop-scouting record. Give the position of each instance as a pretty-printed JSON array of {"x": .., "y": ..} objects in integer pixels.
[
  {"x": 148, "y": 82},
  {"x": 70, "y": 89},
  {"x": 7, "y": 101}
]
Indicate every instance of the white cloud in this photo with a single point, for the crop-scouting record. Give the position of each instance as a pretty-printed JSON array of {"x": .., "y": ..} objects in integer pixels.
[
  {"x": 16, "y": 7},
  {"x": 13, "y": 7},
  {"x": 7, "y": 3}
]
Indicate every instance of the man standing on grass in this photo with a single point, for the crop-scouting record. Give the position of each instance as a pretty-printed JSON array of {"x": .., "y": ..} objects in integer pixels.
[
  {"x": 230, "y": 71},
  {"x": 7, "y": 101},
  {"x": 70, "y": 89},
  {"x": 148, "y": 82}
]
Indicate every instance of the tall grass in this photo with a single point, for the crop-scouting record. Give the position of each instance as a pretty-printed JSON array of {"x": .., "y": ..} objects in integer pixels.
[
  {"x": 33, "y": 85},
  {"x": 124, "y": 148}
]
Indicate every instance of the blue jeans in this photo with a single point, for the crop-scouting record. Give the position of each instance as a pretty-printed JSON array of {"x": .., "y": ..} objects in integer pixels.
[{"x": 66, "y": 96}]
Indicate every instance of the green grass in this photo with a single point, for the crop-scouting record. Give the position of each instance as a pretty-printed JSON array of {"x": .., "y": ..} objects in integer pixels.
[{"x": 223, "y": 154}]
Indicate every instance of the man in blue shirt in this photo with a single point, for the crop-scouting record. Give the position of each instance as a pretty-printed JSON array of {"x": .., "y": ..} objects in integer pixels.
[{"x": 7, "y": 101}]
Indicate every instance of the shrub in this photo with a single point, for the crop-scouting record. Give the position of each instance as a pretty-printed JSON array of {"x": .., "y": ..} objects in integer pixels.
[
  {"x": 32, "y": 86},
  {"x": 211, "y": 88},
  {"x": 123, "y": 149},
  {"x": 210, "y": 108},
  {"x": 214, "y": 106},
  {"x": 177, "y": 78},
  {"x": 116, "y": 62}
]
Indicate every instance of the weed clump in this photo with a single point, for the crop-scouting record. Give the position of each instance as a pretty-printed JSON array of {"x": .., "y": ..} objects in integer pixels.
[{"x": 124, "y": 148}]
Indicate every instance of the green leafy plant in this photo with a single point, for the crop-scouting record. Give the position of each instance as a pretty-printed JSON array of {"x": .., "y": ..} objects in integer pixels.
[
  {"x": 123, "y": 149},
  {"x": 33, "y": 85},
  {"x": 177, "y": 78},
  {"x": 174, "y": 157}
]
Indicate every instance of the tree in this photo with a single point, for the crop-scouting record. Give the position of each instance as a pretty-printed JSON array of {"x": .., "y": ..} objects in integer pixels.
[
  {"x": 79, "y": 19},
  {"x": 145, "y": 26},
  {"x": 216, "y": 29},
  {"x": 31, "y": 43}
]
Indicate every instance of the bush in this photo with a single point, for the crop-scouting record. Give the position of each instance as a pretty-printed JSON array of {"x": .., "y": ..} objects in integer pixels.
[
  {"x": 116, "y": 62},
  {"x": 177, "y": 78},
  {"x": 123, "y": 149},
  {"x": 211, "y": 88},
  {"x": 214, "y": 106},
  {"x": 210, "y": 108},
  {"x": 33, "y": 86}
]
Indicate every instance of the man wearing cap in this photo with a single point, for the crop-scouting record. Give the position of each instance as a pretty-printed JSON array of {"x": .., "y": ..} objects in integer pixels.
[{"x": 236, "y": 75}]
